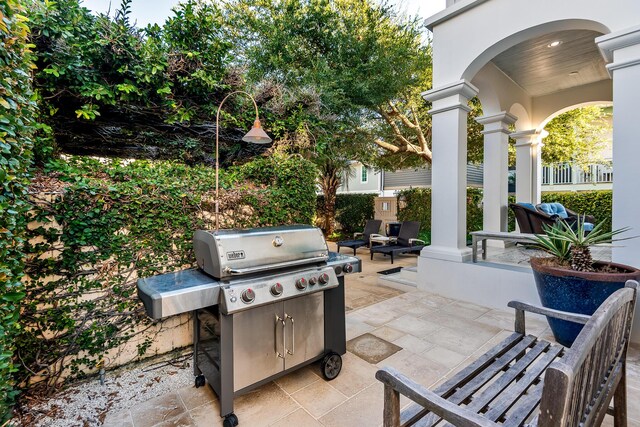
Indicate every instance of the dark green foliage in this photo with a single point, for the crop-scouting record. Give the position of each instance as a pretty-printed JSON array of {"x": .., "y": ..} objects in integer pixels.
[
  {"x": 353, "y": 211},
  {"x": 108, "y": 88},
  {"x": 110, "y": 223},
  {"x": 17, "y": 113},
  {"x": 417, "y": 207},
  {"x": 598, "y": 203}
]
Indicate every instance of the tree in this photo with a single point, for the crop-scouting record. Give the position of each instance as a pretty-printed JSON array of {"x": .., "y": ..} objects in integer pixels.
[
  {"x": 362, "y": 59},
  {"x": 112, "y": 89},
  {"x": 578, "y": 136}
]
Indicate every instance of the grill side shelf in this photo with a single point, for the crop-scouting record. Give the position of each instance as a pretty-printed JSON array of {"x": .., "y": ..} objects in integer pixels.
[{"x": 178, "y": 292}]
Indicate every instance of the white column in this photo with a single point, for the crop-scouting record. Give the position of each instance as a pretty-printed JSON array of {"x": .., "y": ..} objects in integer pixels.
[
  {"x": 496, "y": 170},
  {"x": 622, "y": 51},
  {"x": 449, "y": 171},
  {"x": 529, "y": 165}
]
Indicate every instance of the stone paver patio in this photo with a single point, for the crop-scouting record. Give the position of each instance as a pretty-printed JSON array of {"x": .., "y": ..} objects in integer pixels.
[{"x": 436, "y": 336}]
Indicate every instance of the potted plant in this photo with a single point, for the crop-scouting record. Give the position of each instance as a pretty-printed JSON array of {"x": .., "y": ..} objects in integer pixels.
[{"x": 570, "y": 280}]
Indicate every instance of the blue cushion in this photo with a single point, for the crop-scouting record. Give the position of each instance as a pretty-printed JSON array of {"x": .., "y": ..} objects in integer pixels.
[
  {"x": 588, "y": 226},
  {"x": 553, "y": 209},
  {"x": 527, "y": 205}
]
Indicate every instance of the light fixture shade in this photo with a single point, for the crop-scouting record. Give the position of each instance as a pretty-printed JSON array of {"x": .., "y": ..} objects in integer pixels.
[{"x": 256, "y": 135}]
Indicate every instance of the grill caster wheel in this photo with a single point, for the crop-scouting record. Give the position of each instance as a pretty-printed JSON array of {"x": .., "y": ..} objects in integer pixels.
[
  {"x": 200, "y": 381},
  {"x": 331, "y": 366},
  {"x": 230, "y": 421}
]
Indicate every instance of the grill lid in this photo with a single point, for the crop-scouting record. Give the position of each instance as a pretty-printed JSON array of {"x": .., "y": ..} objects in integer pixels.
[{"x": 226, "y": 253}]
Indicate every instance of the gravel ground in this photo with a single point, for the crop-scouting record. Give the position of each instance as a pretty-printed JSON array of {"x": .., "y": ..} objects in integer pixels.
[{"x": 86, "y": 403}]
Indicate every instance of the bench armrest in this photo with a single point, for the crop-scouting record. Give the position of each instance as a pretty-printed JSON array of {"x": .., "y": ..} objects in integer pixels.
[
  {"x": 355, "y": 235},
  {"x": 521, "y": 307},
  {"x": 394, "y": 383},
  {"x": 412, "y": 241}
]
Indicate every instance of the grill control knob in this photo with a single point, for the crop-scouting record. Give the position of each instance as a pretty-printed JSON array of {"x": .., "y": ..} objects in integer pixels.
[
  {"x": 338, "y": 269},
  {"x": 301, "y": 284},
  {"x": 323, "y": 279},
  {"x": 312, "y": 281},
  {"x": 348, "y": 268},
  {"x": 248, "y": 296},
  {"x": 276, "y": 290}
]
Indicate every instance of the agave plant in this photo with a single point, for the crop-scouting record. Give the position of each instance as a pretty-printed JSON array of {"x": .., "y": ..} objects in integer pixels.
[{"x": 571, "y": 245}]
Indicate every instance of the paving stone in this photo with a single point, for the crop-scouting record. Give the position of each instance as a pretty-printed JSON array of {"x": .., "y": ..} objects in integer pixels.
[
  {"x": 193, "y": 397},
  {"x": 413, "y": 344},
  {"x": 364, "y": 409},
  {"x": 414, "y": 325},
  {"x": 157, "y": 410},
  {"x": 371, "y": 348},
  {"x": 183, "y": 420},
  {"x": 319, "y": 398},
  {"x": 118, "y": 419},
  {"x": 297, "y": 379},
  {"x": 356, "y": 375},
  {"x": 444, "y": 356},
  {"x": 264, "y": 406},
  {"x": 465, "y": 309},
  {"x": 299, "y": 418},
  {"x": 387, "y": 333}
]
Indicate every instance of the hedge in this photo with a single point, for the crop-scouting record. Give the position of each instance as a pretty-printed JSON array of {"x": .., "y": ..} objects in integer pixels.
[
  {"x": 352, "y": 210},
  {"x": 109, "y": 223},
  {"x": 597, "y": 203},
  {"x": 418, "y": 206},
  {"x": 17, "y": 112}
]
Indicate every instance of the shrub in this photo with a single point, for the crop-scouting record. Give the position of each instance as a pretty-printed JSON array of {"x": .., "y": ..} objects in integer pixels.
[
  {"x": 597, "y": 203},
  {"x": 418, "y": 208},
  {"x": 110, "y": 223},
  {"x": 17, "y": 112},
  {"x": 353, "y": 211}
]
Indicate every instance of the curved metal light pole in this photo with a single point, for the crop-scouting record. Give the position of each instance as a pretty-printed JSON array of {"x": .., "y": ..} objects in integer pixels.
[{"x": 256, "y": 136}]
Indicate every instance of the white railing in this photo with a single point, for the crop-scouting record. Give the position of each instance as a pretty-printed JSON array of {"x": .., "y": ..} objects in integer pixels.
[{"x": 571, "y": 173}]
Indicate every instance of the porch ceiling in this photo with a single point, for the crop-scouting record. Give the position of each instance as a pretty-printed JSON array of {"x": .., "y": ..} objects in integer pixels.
[{"x": 541, "y": 70}]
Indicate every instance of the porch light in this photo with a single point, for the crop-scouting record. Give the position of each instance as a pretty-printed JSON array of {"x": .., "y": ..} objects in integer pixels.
[
  {"x": 256, "y": 136},
  {"x": 555, "y": 43}
]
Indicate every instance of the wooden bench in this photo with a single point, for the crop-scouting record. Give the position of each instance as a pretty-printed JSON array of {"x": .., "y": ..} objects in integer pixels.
[
  {"x": 526, "y": 381},
  {"x": 483, "y": 236}
]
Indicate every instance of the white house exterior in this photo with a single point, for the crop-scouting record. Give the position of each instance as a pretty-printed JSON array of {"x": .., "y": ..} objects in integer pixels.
[{"x": 527, "y": 61}]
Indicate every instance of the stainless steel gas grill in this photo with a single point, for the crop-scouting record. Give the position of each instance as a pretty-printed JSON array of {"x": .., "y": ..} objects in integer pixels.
[{"x": 265, "y": 301}]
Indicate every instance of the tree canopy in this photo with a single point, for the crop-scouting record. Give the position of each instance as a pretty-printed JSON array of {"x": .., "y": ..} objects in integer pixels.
[{"x": 579, "y": 135}]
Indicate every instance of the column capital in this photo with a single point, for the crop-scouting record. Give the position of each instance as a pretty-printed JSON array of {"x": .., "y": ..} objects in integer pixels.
[
  {"x": 497, "y": 123},
  {"x": 610, "y": 43},
  {"x": 529, "y": 137},
  {"x": 461, "y": 87}
]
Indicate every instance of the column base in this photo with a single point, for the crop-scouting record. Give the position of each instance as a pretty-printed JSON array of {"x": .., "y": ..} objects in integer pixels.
[{"x": 447, "y": 253}]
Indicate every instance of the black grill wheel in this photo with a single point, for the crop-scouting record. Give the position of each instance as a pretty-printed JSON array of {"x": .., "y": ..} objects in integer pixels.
[
  {"x": 331, "y": 366},
  {"x": 230, "y": 421}
]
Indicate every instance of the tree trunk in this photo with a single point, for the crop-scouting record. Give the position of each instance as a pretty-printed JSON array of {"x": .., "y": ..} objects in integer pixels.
[{"x": 329, "y": 182}]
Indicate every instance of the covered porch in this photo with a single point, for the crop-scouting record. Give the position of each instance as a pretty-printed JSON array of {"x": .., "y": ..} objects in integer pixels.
[{"x": 526, "y": 64}]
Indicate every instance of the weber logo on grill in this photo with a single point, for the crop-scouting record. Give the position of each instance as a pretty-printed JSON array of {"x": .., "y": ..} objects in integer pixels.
[{"x": 233, "y": 255}]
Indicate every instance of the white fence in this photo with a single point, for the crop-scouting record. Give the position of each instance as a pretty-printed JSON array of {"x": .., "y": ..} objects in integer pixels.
[{"x": 570, "y": 173}]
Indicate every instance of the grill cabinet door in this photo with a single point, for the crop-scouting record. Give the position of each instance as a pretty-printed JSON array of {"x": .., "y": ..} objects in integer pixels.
[
  {"x": 304, "y": 328},
  {"x": 257, "y": 340}
]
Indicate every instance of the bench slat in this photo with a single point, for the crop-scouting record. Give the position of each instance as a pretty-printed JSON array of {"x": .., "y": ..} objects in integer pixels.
[
  {"x": 514, "y": 393},
  {"x": 462, "y": 377},
  {"x": 503, "y": 382},
  {"x": 464, "y": 392}
]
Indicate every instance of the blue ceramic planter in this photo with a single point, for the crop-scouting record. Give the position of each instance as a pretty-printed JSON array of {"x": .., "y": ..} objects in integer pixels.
[{"x": 576, "y": 292}]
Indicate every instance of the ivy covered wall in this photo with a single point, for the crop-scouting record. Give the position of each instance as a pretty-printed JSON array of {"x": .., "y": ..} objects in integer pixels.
[
  {"x": 95, "y": 227},
  {"x": 17, "y": 111}
]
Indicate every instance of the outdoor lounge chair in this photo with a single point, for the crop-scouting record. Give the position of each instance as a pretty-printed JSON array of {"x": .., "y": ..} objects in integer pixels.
[
  {"x": 532, "y": 219},
  {"x": 405, "y": 243},
  {"x": 371, "y": 227}
]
